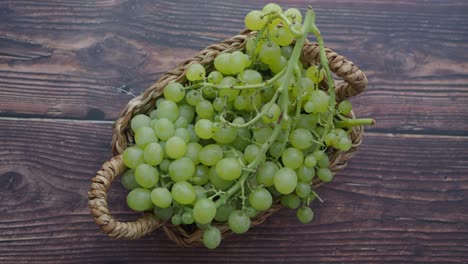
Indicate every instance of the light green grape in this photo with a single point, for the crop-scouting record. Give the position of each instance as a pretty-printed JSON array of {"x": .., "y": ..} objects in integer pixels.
[
  {"x": 238, "y": 222},
  {"x": 229, "y": 169},
  {"x": 255, "y": 20},
  {"x": 301, "y": 138},
  {"x": 174, "y": 91},
  {"x": 187, "y": 218},
  {"x": 293, "y": 15},
  {"x": 204, "y": 128},
  {"x": 303, "y": 189},
  {"x": 305, "y": 215},
  {"x": 251, "y": 77},
  {"x": 139, "y": 121},
  {"x": 167, "y": 109},
  {"x": 272, "y": 113},
  {"x": 128, "y": 180},
  {"x": 222, "y": 63},
  {"x": 193, "y": 150},
  {"x": 175, "y": 147},
  {"x": 139, "y": 199},
  {"x": 271, "y": 7},
  {"x": 187, "y": 111},
  {"x": 262, "y": 134},
  {"x": 205, "y": 109},
  {"x": 181, "y": 169},
  {"x": 183, "y": 192},
  {"x": 305, "y": 174},
  {"x": 144, "y": 136},
  {"x": 161, "y": 197},
  {"x": 183, "y": 134},
  {"x": 225, "y": 135},
  {"x": 133, "y": 156},
  {"x": 285, "y": 180},
  {"x": 266, "y": 173},
  {"x": 211, "y": 238},
  {"x": 325, "y": 175},
  {"x": 153, "y": 154},
  {"x": 260, "y": 199},
  {"x": 253, "y": 151},
  {"x": 217, "y": 181},
  {"x": 215, "y": 77},
  {"x": 204, "y": 211},
  {"x": 210, "y": 155},
  {"x": 193, "y": 97},
  {"x": 292, "y": 158},
  {"x": 201, "y": 175},
  {"x": 269, "y": 52},
  {"x": 282, "y": 37},
  {"x": 195, "y": 72},
  {"x": 146, "y": 176}
]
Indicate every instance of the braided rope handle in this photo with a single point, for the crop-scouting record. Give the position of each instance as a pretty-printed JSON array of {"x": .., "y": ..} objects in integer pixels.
[{"x": 354, "y": 83}]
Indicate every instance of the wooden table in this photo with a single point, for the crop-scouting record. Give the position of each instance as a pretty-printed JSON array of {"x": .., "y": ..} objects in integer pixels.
[{"x": 67, "y": 68}]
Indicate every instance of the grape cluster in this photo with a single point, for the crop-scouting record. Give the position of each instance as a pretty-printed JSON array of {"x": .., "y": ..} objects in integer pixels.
[{"x": 227, "y": 144}]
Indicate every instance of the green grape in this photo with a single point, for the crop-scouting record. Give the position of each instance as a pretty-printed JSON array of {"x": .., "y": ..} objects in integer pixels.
[
  {"x": 217, "y": 181},
  {"x": 181, "y": 169},
  {"x": 229, "y": 94},
  {"x": 187, "y": 218},
  {"x": 133, "y": 156},
  {"x": 251, "y": 77},
  {"x": 286, "y": 51},
  {"x": 128, "y": 180},
  {"x": 251, "y": 212},
  {"x": 291, "y": 201},
  {"x": 183, "y": 134},
  {"x": 303, "y": 189},
  {"x": 276, "y": 149},
  {"x": 205, "y": 109},
  {"x": 152, "y": 116},
  {"x": 237, "y": 62},
  {"x": 293, "y": 15},
  {"x": 187, "y": 112},
  {"x": 262, "y": 134},
  {"x": 325, "y": 175},
  {"x": 307, "y": 86},
  {"x": 278, "y": 65},
  {"x": 204, "y": 211},
  {"x": 269, "y": 52},
  {"x": 193, "y": 150},
  {"x": 282, "y": 37},
  {"x": 222, "y": 63},
  {"x": 204, "y": 128},
  {"x": 330, "y": 139},
  {"x": 320, "y": 100},
  {"x": 164, "y": 165},
  {"x": 310, "y": 161},
  {"x": 181, "y": 122},
  {"x": 200, "y": 192},
  {"x": 153, "y": 154},
  {"x": 318, "y": 154},
  {"x": 285, "y": 180},
  {"x": 305, "y": 174},
  {"x": 301, "y": 138},
  {"x": 215, "y": 77},
  {"x": 344, "y": 144},
  {"x": 242, "y": 140},
  {"x": 163, "y": 214},
  {"x": 193, "y": 136},
  {"x": 345, "y": 107},
  {"x": 340, "y": 133},
  {"x": 223, "y": 211},
  {"x": 324, "y": 162},
  {"x": 271, "y": 7},
  {"x": 195, "y": 72},
  {"x": 139, "y": 121},
  {"x": 308, "y": 122},
  {"x": 238, "y": 222},
  {"x": 272, "y": 113},
  {"x": 292, "y": 158},
  {"x": 210, "y": 155},
  {"x": 255, "y": 20},
  {"x": 225, "y": 135},
  {"x": 193, "y": 97},
  {"x": 176, "y": 220},
  {"x": 211, "y": 238},
  {"x": 255, "y": 102},
  {"x": 183, "y": 192},
  {"x": 251, "y": 153},
  {"x": 260, "y": 199},
  {"x": 161, "y": 197},
  {"x": 167, "y": 109},
  {"x": 174, "y": 91},
  {"x": 229, "y": 169},
  {"x": 139, "y": 199},
  {"x": 218, "y": 104},
  {"x": 144, "y": 136},
  {"x": 314, "y": 74},
  {"x": 146, "y": 175},
  {"x": 175, "y": 147},
  {"x": 159, "y": 101},
  {"x": 241, "y": 102},
  {"x": 305, "y": 215},
  {"x": 266, "y": 173}
]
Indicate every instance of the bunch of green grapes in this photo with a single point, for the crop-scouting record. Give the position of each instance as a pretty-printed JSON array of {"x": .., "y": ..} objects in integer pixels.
[{"x": 226, "y": 145}]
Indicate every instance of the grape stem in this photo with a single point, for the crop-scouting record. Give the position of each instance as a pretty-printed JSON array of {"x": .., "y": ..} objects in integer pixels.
[{"x": 348, "y": 123}]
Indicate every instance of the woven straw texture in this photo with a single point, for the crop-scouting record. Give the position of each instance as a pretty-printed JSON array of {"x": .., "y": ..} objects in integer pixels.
[{"x": 353, "y": 82}]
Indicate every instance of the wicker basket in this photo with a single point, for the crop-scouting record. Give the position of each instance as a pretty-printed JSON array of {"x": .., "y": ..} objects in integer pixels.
[{"x": 354, "y": 82}]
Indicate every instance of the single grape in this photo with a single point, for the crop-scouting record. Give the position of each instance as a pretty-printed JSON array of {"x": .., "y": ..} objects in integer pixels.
[
  {"x": 310, "y": 161},
  {"x": 272, "y": 8},
  {"x": 255, "y": 20},
  {"x": 139, "y": 121},
  {"x": 303, "y": 189},
  {"x": 251, "y": 77},
  {"x": 223, "y": 211},
  {"x": 161, "y": 197},
  {"x": 182, "y": 133},
  {"x": 218, "y": 182},
  {"x": 305, "y": 174},
  {"x": 187, "y": 111},
  {"x": 200, "y": 192},
  {"x": 237, "y": 62},
  {"x": 225, "y": 135},
  {"x": 167, "y": 109},
  {"x": 193, "y": 135},
  {"x": 144, "y": 136},
  {"x": 308, "y": 122},
  {"x": 325, "y": 175},
  {"x": 260, "y": 199},
  {"x": 262, "y": 134},
  {"x": 305, "y": 215},
  {"x": 211, "y": 238},
  {"x": 318, "y": 154},
  {"x": 175, "y": 147},
  {"x": 345, "y": 107},
  {"x": 204, "y": 211},
  {"x": 128, "y": 180},
  {"x": 228, "y": 93},
  {"x": 292, "y": 158},
  {"x": 282, "y": 37},
  {"x": 301, "y": 138},
  {"x": 193, "y": 150},
  {"x": 238, "y": 222},
  {"x": 269, "y": 52},
  {"x": 210, "y": 155},
  {"x": 285, "y": 180},
  {"x": 222, "y": 63},
  {"x": 278, "y": 64},
  {"x": 266, "y": 173},
  {"x": 139, "y": 199},
  {"x": 241, "y": 102},
  {"x": 253, "y": 152},
  {"x": 291, "y": 201},
  {"x": 193, "y": 97},
  {"x": 164, "y": 128},
  {"x": 174, "y": 91},
  {"x": 330, "y": 139},
  {"x": 344, "y": 144},
  {"x": 133, "y": 156},
  {"x": 315, "y": 74},
  {"x": 146, "y": 175},
  {"x": 181, "y": 169},
  {"x": 272, "y": 113},
  {"x": 183, "y": 192},
  {"x": 176, "y": 220},
  {"x": 187, "y": 218},
  {"x": 205, "y": 109},
  {"x": 324, "y": 162},
  {"x": 276, "y": 149},
  {"x": 293, "y": 15},
  {"x": 215, "y": 77},
  {"x": 204, "y": 128},
  {"x": 195, "y": 72},
  {"x": 286, "y": 51},
  {"x": 229, "y": 169}
]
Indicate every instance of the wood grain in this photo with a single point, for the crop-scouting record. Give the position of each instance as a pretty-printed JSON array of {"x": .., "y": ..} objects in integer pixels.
[
  {"x": 402, "y": 199},
  {"x": 84, "y": 60}
]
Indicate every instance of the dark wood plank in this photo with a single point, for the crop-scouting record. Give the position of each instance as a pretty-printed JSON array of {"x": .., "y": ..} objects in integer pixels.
[
  {"x": 83, "y": 60},
  {"x": 402, "y": 199}
]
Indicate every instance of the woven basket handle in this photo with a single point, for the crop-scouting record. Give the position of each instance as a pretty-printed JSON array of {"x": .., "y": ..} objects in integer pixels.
[
  {"x": 355, "y": 81},
  {"x": 97, "y": 196}
]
